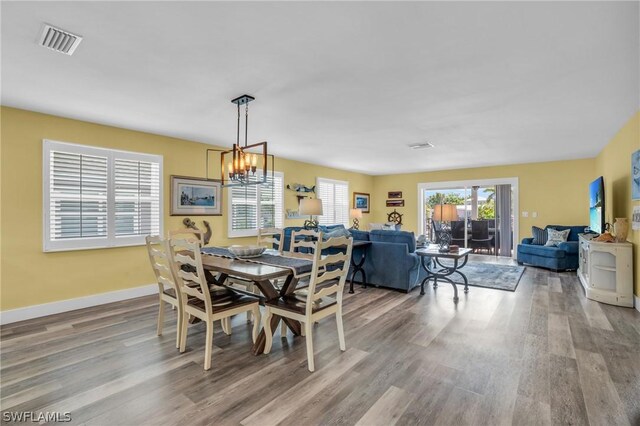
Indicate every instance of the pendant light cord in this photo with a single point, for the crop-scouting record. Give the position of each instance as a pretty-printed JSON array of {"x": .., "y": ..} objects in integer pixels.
[{"x": 246, "y": 122}]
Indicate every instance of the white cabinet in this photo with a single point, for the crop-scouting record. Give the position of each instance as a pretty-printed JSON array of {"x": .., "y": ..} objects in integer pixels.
[{"x": 606, "y": 271}]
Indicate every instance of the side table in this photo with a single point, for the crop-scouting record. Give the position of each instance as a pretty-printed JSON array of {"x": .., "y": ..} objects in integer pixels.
[
  {"x": 359, "y": 267},
  {"x": 438, "y": 271}
]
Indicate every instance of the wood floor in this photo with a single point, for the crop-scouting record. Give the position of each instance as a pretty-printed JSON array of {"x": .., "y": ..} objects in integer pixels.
[{"x": 540, "y": 355}]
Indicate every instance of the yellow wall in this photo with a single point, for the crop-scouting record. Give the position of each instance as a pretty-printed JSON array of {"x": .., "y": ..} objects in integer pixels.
[
  {"x": 558, "y": 191},
  {"x": 614, "y": 163},
  {"x": 31, "y": 277}
]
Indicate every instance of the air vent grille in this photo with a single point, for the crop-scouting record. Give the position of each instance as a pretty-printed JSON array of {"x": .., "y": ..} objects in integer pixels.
[
  {"x": 424, "y": 145},
  {"x": 59, "y": 40}
]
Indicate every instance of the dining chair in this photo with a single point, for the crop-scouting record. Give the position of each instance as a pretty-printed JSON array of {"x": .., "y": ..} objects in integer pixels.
[
  {"x": 199, "y": 301},
  {"x": 330, "y": 271},
  {"x": 457, "y": 233},
  {"x": 267, "y": 236},
  {"x": 160, "y": 258},
  {"x": 303, "y": 242},
  {"x": 480, "y": 237},
  {"x": 191, "y": 234}
]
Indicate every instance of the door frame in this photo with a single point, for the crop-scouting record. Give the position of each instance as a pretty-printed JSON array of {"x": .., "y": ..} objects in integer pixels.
[{"x": 513, "y": 181}]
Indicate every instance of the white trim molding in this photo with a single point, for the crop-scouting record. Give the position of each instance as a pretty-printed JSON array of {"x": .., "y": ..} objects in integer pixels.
[
  {"x": 37, "y": 311},
  {"x": 636, "y": 300},
  {"x": 513, "y": 181}
]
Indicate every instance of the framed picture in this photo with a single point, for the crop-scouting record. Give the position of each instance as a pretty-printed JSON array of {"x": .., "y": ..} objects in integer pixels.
[
  {"x": 395, "y": 203},
  {"x": 635, "y": 175},
  {"x": 195, "y": 196},
  {"x": 361, "y": 201},
  {"x": 394, "y": 194}
]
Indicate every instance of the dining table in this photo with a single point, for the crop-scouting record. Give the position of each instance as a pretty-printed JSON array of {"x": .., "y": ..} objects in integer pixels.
[{"x": 263, "y": 271}]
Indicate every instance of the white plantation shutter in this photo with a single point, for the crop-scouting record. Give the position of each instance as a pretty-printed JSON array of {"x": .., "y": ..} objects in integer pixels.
[
  {"x": 254, "y": 206},
  {"x": 95, "y": 197},
  {"x": 271, "y": 202},
  {"x": 78, "y": 196},
  {"x": 244, "y": 208},
  {"x": 137, "y": 197},
  {"x": 335, "y": 201}
]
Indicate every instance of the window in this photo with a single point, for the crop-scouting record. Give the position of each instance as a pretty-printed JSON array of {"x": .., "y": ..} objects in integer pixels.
[
  {"x": 96, "y": 198},
  {"x": 256, "y": 206},
  {"x": 335, "y": 201}
]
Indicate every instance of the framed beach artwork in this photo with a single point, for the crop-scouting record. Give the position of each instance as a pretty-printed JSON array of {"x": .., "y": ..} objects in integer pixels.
[
  {"x": 635, "y": 175},
  {"x": 195, "y": 196},
  {"x": 361, "y": 201}
]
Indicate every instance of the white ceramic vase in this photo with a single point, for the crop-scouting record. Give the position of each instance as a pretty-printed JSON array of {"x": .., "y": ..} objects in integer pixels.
[{"x": 621, "y": 229}]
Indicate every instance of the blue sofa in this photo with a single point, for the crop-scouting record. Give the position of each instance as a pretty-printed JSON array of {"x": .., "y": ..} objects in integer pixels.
[
  {"x": 564, "y": 257},
  {"x": 391, "y": 260}
]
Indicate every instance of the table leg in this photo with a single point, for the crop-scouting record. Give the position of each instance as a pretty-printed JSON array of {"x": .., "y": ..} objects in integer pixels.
[
  {"x": 455, "y": 290},
  {"x": 466, "y": 282},
  {"x": 261, "y": 340},
  {"x": 426, "y": 279},
  {"x": 358, "y": 267}
]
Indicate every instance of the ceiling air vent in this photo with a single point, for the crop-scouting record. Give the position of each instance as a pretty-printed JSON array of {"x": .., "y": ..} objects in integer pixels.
[
  {"x": 59, "y": 40},
  {"x": 424, "y": 145}
]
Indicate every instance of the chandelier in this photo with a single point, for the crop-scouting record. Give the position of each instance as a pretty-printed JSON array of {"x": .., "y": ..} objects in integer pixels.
[{"x": 243, "y": 164}]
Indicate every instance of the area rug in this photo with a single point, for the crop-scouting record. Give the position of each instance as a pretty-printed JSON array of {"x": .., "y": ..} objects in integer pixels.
[{"x": 491, "y": 275}]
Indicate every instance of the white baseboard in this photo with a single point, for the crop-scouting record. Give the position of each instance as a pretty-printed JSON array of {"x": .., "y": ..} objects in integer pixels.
[
  {"x": 37, "y": 311},
  {"x": 636, "y": 301}
]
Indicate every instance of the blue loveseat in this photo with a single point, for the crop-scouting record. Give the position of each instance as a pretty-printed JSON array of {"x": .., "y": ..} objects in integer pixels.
[
  {"x": 391, "y": 260},
  {"x": 564, "y": 257}
]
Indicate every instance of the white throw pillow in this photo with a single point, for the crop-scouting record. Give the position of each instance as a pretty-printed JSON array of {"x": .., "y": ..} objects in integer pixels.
[
  {"x": 556, "y": 237},
  {"x": 374, "y": 226}
]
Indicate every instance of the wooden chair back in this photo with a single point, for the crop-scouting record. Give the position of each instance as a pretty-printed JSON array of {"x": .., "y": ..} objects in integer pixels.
[
  {"x": 189, "y": 271},
  {"x": 162, "y": 265},
  {"x": 267, "y": 236},
  {"x": 329, "y": 267},
  {"x": 304, "y": 238},
  {"x": 188, "y": 234}
]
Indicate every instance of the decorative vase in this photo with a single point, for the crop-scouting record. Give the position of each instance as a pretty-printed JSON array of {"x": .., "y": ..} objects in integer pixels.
[{"x": 621, "y": 229}]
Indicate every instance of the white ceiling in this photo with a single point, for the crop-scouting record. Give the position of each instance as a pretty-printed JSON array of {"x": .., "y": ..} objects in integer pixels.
[{"x": 348, "y": 85}]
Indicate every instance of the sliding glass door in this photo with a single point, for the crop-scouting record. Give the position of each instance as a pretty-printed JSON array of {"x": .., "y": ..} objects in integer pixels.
[{"x": 484, "y": 219}]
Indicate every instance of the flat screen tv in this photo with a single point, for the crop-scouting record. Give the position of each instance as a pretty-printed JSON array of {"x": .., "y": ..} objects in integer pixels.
[{"x": 596, "y": 205}]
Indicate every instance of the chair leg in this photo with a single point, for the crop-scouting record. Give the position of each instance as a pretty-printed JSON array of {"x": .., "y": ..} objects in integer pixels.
[
  {"x": 226, "y": 325},
  {"x": 343, "y": 346},
  {"x": 309, "y": 338},
  {"x": 256, "y": 323},
  {"x": 179, "y": 329},
  {"x": 283, "y": 329},
  {"x": 183, "y": 332},
  {"x": 267, "y": 331},
  {"x": 160, "y": 317},
  {"x": 209, "y": 344}
]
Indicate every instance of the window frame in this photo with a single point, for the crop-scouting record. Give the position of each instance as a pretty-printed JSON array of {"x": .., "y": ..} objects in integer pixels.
[
  {"x": 335, "y": 182},
  {"x": 111, "y": 240},
  {"x": 243, "y": 233}
]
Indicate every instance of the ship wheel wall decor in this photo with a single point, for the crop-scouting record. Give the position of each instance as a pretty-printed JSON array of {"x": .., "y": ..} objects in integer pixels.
[{"x": 395, "y": 217}]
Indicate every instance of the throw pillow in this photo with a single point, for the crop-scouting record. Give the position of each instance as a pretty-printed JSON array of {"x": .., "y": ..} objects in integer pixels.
[
  {"x": 375, "y": 226},
  {"x": 555, "y": 237},
  {"x": 539, "y": 236}
]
